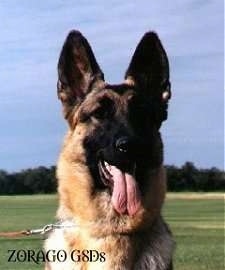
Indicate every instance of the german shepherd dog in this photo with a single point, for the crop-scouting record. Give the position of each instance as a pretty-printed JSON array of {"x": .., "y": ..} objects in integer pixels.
[{"x": 111, "y": 181}]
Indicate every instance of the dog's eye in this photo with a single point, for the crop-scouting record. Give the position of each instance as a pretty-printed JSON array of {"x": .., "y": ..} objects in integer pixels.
[
  {"x": 104, "y": 110},
  {"x": 99, "y": 113}
]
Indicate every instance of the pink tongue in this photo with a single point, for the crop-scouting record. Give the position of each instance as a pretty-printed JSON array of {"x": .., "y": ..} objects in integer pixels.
[{"x": 125, "y": 196}]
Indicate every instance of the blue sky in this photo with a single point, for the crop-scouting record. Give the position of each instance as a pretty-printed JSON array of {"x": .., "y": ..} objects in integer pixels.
[{"x": 32, "y": 33}]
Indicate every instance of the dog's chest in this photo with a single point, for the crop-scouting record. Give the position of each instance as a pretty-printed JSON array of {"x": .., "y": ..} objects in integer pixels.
[
  {"x": 119, "y": 253},
  {"x": 86, "y": 253}
]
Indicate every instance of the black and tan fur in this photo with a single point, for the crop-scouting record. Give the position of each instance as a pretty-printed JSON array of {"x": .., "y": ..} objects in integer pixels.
[{"x": 99, "y": 115}]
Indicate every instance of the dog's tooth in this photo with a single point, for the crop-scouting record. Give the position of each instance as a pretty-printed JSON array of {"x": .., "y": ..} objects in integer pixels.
[
  {"x": 106, "y": 163},
  {"x": 108, "y": 167}
]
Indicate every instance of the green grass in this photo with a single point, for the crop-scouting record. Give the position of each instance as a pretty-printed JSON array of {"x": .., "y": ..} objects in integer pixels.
[
  {"x": 197, "y": 223},
  {"x": 19, "y": 213},
  {"x": 198, "y": 227}
]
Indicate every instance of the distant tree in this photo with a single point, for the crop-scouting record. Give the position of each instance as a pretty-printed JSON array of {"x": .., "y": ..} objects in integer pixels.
[
  {"x": 40, "y": 180},
  {"x": 189, "y": 178},
  {"x": 174, "y": 178},
  {"x": 190, "y": 175},
  {"x": 215, "y": 179},
  {"x": 3, "y": 182}
]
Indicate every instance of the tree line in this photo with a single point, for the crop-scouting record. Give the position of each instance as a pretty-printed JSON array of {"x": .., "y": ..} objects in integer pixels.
[
  {"x": 29, "y": 181},
  {"x": 190, "y": 178},
  {"x": 42, "y": 180}
]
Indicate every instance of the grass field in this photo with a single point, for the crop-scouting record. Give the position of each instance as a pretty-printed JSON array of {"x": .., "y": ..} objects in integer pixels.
[{"x": 197, "y": 222}]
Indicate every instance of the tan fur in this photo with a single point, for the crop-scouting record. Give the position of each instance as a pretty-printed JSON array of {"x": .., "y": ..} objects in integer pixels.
[
  {"x": 98, "y": 226},
  {"x": 108, "y": 233},
  {"x": 137, "y": 242}
]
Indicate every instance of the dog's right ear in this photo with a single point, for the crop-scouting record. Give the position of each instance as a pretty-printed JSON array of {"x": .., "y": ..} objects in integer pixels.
[{"x": 77, "y": 71}]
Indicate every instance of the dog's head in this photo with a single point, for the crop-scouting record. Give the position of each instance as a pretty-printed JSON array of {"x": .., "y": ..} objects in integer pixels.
[{"x": 114, "y": 129}]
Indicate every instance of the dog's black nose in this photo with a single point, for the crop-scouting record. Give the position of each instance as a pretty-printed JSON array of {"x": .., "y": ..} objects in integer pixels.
[{"x": 123, "y": 144}]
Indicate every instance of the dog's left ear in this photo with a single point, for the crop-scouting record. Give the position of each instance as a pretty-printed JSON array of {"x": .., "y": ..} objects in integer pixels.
[{"x": 149, "y": 72}]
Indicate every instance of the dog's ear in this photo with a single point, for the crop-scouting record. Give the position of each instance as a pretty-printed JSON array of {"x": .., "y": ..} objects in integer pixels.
[
  {"x": 149, "y": 71},
  {"x": 78, "y": 70}
]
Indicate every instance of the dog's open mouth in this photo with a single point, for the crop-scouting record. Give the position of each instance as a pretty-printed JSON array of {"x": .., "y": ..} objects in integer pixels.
[{"x": 126, "y": 197}]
